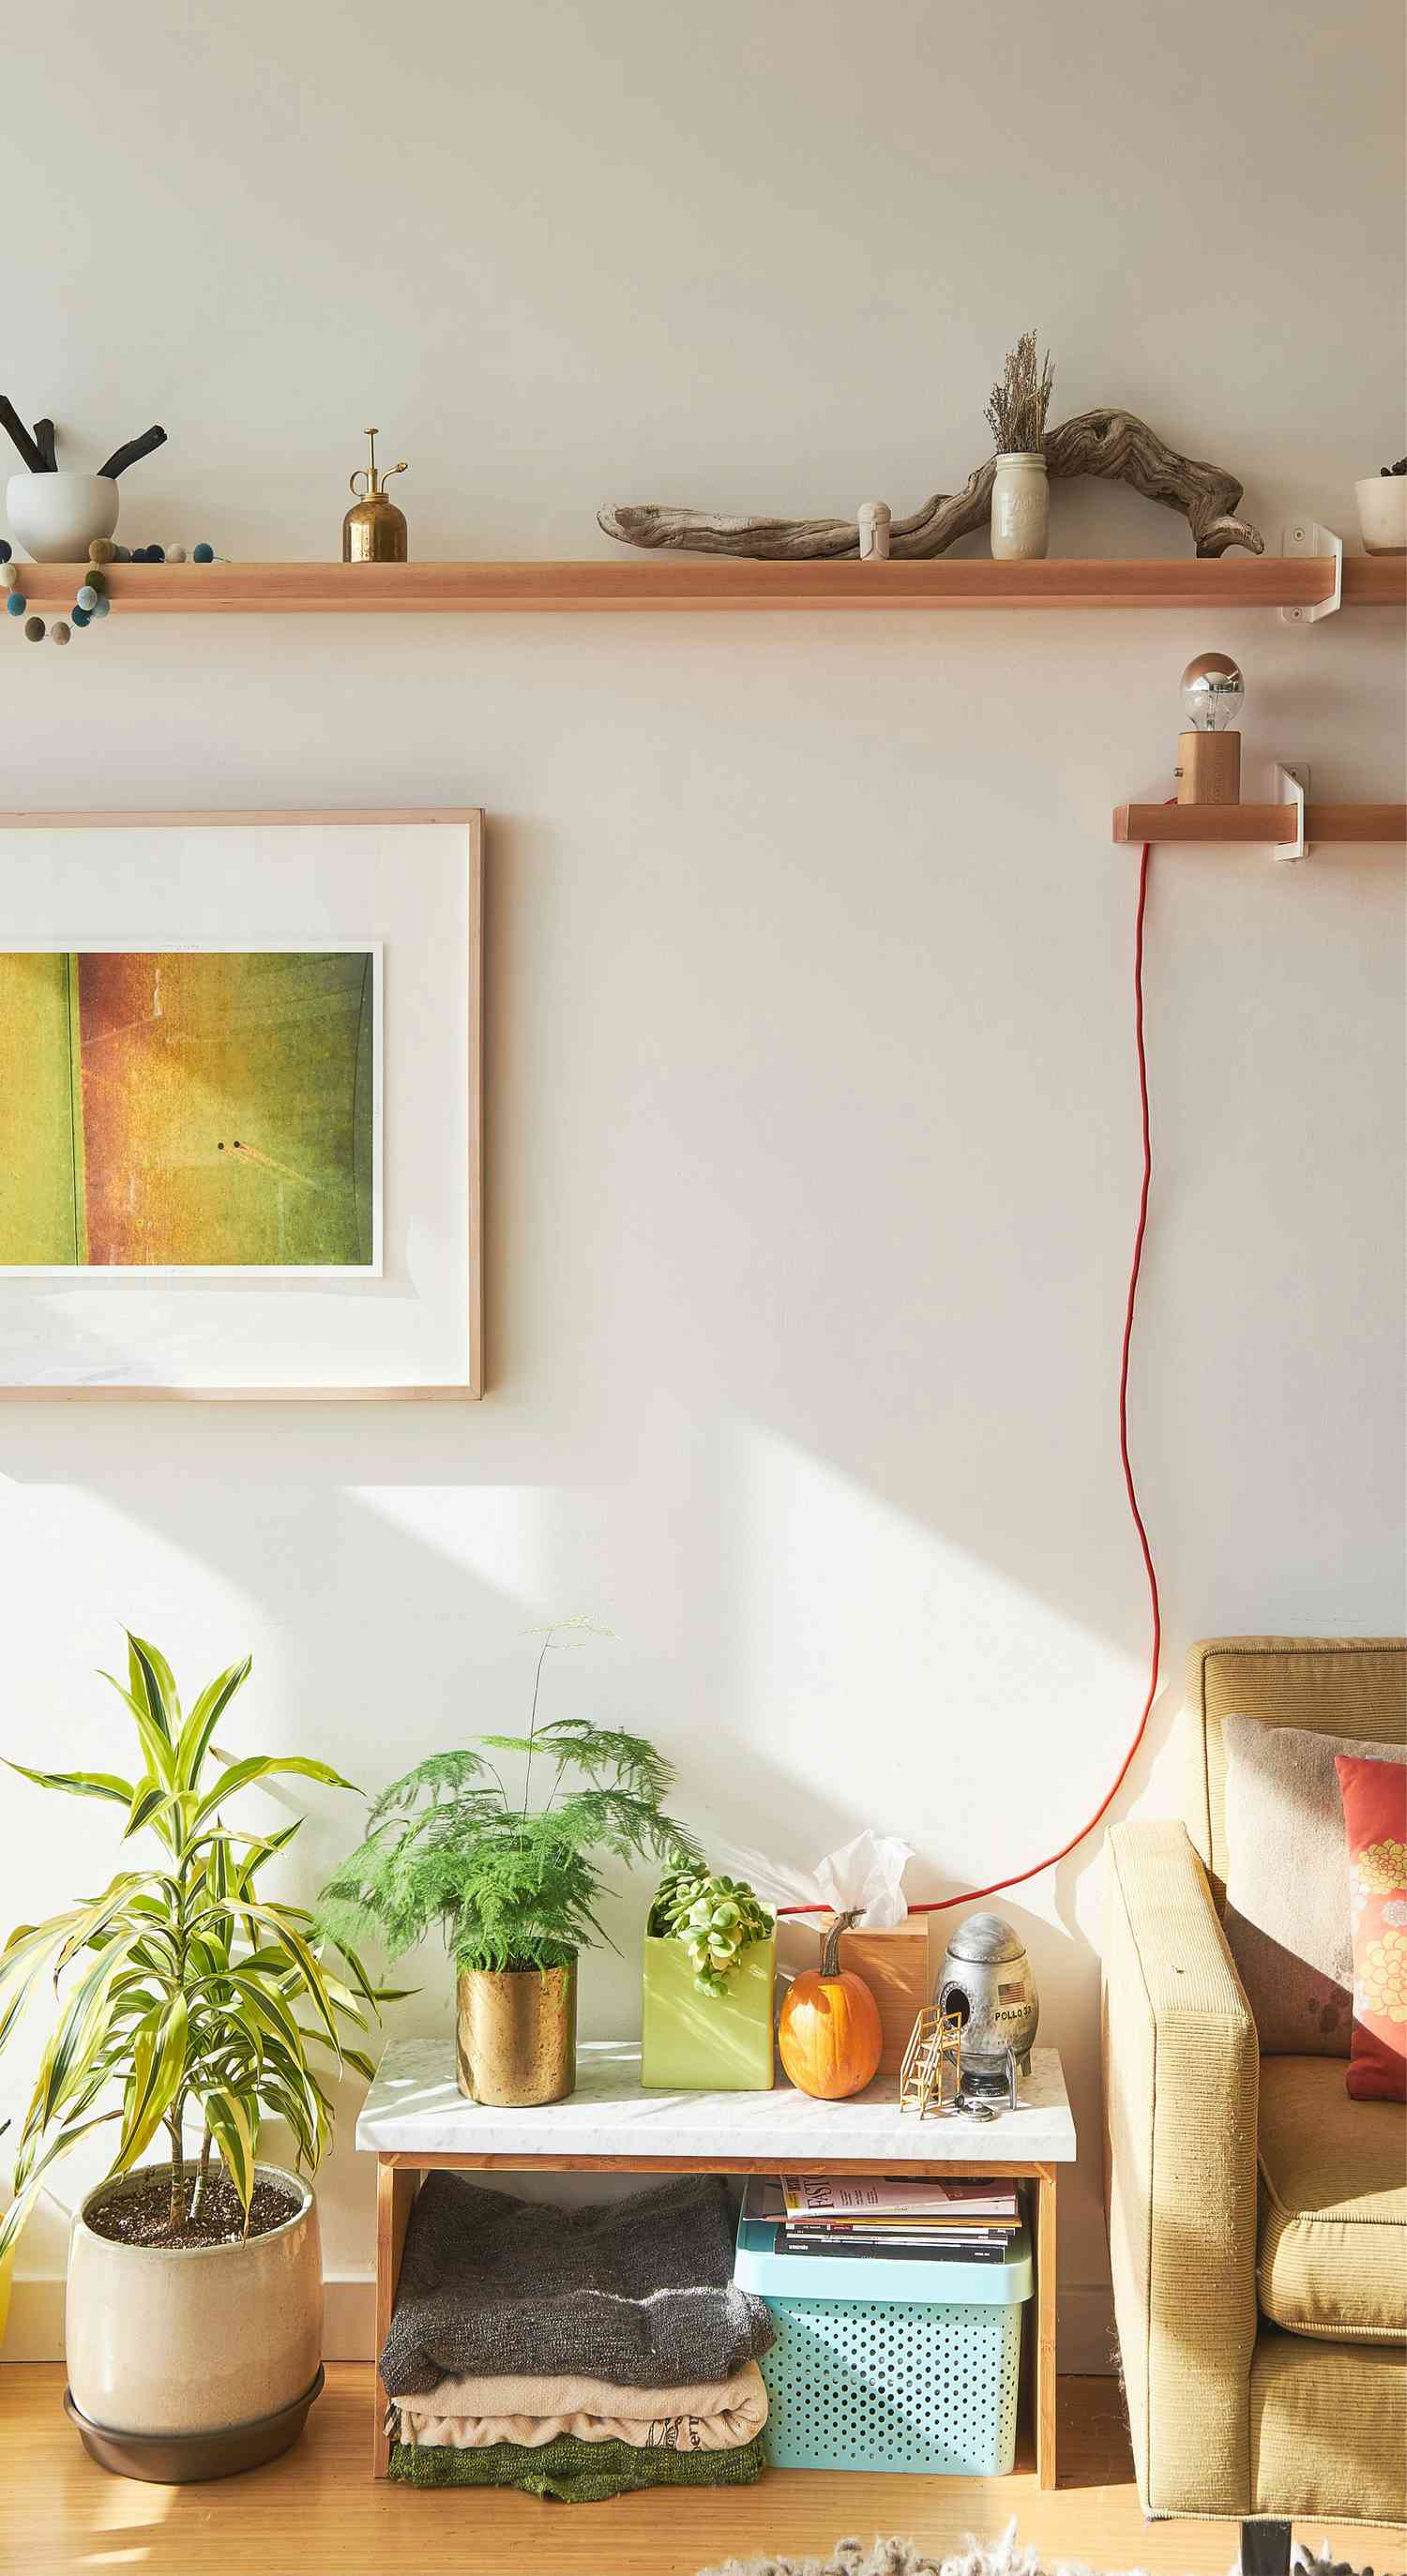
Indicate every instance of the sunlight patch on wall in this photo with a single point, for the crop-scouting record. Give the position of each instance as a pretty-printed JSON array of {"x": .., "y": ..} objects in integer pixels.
[{"x": 921, "y": 1690}]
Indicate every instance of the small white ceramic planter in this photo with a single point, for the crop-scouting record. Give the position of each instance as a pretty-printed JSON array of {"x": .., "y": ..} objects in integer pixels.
[
  {"x": 1020, "y": 510},
  {"x": 198, "y": 2339},
  {"x": 56, "y": 516},
  {"x": 1382, "y": 513}
]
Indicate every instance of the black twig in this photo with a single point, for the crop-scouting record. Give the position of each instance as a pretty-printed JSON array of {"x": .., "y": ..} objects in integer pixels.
[
  {"x": 20, "y": 437},
  {"x": 45, "y": 441},
  {"x": 133, "y": 452}
]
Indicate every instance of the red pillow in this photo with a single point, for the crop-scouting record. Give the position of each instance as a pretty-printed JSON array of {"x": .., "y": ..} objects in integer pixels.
[{"x": 1375, "y": 1820}]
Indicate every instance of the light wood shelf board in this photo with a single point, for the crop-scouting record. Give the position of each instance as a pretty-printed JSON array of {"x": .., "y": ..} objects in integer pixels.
[
  {"x": 640, "y": 582},
  {"x": 1275, "y": 823}
]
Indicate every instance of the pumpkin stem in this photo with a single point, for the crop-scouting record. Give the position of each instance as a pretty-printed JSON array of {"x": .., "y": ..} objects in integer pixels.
[{"x": 830, "y": 1956}]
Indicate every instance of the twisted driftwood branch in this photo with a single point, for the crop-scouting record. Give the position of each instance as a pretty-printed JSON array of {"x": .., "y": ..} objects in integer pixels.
[{"x": 1114, "y": 444}]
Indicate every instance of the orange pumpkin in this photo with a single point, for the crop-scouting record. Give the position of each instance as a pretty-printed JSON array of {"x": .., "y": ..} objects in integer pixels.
[{"x": 829, "y": 2032}]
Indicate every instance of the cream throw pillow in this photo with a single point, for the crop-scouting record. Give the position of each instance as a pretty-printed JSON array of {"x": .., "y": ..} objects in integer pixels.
[{"x": 1288, "y": 1916}]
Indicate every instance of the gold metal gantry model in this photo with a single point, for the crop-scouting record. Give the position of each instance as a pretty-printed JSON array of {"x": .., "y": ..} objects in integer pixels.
[{"x": 935, "y": 2043}]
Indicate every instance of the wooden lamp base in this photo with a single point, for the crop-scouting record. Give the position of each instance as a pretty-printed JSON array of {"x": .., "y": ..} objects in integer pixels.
[{"x": 1209, "y": 769}]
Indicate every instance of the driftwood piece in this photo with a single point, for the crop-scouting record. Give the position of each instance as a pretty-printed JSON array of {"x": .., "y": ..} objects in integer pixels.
[
  {"x": 134, "y": 450},
  {"x": 1113, "y": 444}
]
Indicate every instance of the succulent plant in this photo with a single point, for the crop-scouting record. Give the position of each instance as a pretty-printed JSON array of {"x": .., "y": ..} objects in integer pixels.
[{"x": 716, "y": 1918}]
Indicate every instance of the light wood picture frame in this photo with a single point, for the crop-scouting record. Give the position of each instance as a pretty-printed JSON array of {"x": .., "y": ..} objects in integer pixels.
[{"x": 405, "y": 887}]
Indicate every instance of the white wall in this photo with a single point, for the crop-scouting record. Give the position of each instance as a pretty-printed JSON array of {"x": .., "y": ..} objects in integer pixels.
[{"x": 813, "y": 1149}]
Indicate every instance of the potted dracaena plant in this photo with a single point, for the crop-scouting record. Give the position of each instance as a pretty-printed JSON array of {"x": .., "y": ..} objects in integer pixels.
[
  {"x": 194, "y": 2310},
  {"x": 514, "y": 1887},
  {"x": 709, "y": 1982}
]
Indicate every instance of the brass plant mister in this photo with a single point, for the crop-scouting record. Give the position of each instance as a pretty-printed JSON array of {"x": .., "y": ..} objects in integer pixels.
[{"x": 373, "y": 530}]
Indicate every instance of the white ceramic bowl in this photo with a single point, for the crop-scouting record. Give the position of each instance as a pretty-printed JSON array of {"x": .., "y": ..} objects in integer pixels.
[
  {"x": 57, "y": 516},
  {"x": 1382, "y": 513}
]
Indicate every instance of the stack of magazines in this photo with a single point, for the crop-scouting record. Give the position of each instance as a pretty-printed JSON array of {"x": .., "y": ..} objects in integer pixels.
[{"x": 910, "y": 2218}]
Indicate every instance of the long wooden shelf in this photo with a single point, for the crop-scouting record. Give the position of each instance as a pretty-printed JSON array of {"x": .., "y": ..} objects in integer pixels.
[
  {"x": 1275, "y": 823},
  {"x": 709, "y": 582}
]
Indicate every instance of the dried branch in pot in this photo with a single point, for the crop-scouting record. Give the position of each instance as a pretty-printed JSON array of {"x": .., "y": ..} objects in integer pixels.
[
  {"x": 133, "y": 450},
  {"x": 10, "y": 421},
  {"x": 1017, "y": 411}
]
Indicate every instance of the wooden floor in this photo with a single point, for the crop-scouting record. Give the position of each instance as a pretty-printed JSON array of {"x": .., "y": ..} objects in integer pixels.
[{"x": 317, "y": 2512}]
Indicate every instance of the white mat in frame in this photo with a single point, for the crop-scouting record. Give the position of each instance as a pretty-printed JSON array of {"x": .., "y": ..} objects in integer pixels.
[{"x": 406, "y": 881}]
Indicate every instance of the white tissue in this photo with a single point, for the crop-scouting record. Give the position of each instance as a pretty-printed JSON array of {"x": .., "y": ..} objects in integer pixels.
[{"x": 866, "y": 1874}]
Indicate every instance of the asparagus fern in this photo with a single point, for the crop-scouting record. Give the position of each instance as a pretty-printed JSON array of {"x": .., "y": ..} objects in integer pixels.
[{"x": 458, "y": 1844}]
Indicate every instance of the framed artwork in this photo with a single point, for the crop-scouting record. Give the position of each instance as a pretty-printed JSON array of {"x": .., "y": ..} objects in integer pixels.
[{"x": 241, "y": 1105}]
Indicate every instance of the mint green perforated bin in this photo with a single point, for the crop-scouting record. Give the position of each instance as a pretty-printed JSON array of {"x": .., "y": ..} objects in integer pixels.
[{"x": 882, "y": 2364}]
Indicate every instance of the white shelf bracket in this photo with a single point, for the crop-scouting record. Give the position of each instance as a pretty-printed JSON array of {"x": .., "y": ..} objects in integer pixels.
[
  {"x": 1291, "y": 788},
  {"x": 1306, "y": 537}
]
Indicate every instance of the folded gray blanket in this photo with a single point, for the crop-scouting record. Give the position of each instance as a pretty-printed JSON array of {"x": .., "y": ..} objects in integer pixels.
[{"x": 640, "y": 2291}]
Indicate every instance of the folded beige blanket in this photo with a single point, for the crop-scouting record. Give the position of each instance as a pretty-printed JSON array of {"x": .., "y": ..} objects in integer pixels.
[{"x": 469, "y": 2414}]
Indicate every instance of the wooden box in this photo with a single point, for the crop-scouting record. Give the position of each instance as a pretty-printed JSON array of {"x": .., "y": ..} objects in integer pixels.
[{"x": 900, "y": 1967}]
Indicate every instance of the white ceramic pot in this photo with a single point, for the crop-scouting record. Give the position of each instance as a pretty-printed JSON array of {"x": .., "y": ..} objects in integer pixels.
[
  {"x": 1020, "y": 510},
  {"x": 57, "y": 516},
  {"x": 1382, "y": 513},
  {"x": 194, "y": 2339}
]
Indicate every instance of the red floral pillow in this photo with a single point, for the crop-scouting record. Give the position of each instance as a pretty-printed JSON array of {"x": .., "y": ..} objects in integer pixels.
[{"x": 1375, "y": 1820}]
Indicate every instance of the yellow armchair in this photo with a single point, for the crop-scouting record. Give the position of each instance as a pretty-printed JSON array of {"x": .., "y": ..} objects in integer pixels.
[{"x": 1230, "y": 2413}]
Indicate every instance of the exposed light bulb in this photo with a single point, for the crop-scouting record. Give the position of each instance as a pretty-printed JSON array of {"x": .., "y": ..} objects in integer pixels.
[{"x": 1213, "y": 692}]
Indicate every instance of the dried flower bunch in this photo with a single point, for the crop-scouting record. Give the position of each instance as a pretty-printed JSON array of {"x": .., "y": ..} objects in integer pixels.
[{"x": 1017, "y": 411}]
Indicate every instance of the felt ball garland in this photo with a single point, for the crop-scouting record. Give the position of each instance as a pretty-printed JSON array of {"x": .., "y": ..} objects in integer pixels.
[{"x": 91, "y": 601}]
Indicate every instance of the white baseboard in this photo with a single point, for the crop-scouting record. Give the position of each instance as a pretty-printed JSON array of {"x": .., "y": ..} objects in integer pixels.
[
  {"x": 36, "y": 2328},
  {"x": 1086, "y": 2324}
]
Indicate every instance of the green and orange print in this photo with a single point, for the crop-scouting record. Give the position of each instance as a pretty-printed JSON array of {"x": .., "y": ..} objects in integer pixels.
[{"x": 188, "y": 1109}]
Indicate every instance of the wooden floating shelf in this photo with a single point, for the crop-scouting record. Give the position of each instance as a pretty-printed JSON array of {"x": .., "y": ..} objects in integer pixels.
[
  {"x": 1275, "y": 823},
  {"x": 712, "y": 582}
]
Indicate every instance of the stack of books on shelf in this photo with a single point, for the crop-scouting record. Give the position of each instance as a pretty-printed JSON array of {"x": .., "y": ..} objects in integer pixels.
[{"x": 910, "y": 2218}]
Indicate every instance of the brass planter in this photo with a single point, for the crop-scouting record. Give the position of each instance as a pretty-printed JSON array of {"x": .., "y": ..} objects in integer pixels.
[{"x": 516, "y": 2035}]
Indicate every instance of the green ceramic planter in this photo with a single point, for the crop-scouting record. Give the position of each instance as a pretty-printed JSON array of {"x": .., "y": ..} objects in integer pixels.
[{"x": 693, "y": 2043}]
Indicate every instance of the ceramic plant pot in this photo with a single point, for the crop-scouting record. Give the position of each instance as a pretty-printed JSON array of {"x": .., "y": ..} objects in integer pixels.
[
  {"x": 693, "y": 2043},
  {"x": 1020, "y": 510},
  {"x": 1382, "y": 513},
  {"x": 56, "y": 516},
  {"x": 516, "y": 2035},
  {"x": 203, "y": 2353}
]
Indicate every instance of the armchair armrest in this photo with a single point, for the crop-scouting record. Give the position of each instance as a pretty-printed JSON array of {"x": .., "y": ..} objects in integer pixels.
[{"x": 1181, "y": 2092}]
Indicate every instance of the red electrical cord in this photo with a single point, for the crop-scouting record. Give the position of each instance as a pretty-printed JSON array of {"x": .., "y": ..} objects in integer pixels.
[{"x": 941, "y": 1904}]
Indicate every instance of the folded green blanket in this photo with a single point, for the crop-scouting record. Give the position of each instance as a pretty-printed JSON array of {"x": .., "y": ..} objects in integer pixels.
[{"x": 577, "y": 2472}]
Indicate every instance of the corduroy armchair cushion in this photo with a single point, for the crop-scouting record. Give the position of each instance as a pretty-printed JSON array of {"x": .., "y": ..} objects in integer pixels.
[
  {"x": 1333, "y": 1685},
  {"x": 1328, "y": 2430},
  {"x": 1333, "y": 2205}
]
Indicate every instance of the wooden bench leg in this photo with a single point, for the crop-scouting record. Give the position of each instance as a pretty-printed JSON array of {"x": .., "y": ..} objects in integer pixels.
[
  {"x": 396, "y": 2187},
  {"x": 1045, "y": 2329}
]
